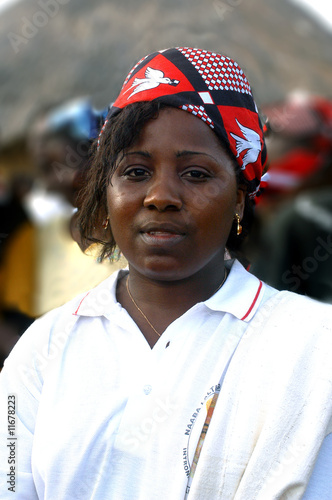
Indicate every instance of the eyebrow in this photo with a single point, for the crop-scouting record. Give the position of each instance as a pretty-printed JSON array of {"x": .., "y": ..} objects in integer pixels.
[
  {"x": 178, "y": 154},
  {"x": 187, "y": 153},
  {"x": 141, "y": 153}
]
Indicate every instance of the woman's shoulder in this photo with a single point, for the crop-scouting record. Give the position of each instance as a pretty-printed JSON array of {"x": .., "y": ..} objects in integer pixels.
[
  {"x": 297, "y": 319},
  {"x": 300, "y": 306}
]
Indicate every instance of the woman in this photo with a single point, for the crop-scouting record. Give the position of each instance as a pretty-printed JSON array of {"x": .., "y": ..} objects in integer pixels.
[{"x": 116, "y": 390}]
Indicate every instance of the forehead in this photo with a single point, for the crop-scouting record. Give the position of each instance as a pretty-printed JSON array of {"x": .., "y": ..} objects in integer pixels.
[{"x": 182, "y": 130}]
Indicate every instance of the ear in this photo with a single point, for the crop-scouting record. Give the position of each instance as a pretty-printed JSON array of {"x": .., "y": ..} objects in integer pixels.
[
  {"x": 100, "y": 231},
  {"x": 240, "y": 200}
]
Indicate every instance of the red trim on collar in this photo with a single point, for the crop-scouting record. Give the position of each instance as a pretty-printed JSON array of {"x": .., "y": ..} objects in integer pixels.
[
  {"x": 79, "y": 305},
  {"x": 253, "y": 302}
]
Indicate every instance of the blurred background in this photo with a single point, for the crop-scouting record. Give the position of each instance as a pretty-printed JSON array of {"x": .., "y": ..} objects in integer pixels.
[{"x": 61, "y": 64}]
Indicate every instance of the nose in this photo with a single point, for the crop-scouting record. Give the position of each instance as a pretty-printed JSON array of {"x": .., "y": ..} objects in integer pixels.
[{"x": 163, "y": 193}]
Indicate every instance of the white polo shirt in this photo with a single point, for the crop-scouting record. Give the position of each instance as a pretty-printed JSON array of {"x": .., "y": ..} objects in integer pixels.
[{"x": 101, "y": 415}]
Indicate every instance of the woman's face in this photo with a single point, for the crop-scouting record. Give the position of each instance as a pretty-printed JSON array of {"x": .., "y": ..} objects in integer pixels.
[{"x": 173, "y": 197}]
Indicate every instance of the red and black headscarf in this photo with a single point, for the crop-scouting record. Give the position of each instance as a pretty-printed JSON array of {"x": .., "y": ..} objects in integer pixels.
[{"x": 210, "y": 86}]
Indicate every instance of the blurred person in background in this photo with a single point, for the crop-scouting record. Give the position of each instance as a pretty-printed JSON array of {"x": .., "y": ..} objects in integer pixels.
[
  {"x": 60, "y": 141},
  {"x": 294, "y": 245},
  {"x": 182, "y": 376},
  {"x": 17, "y": 260}
]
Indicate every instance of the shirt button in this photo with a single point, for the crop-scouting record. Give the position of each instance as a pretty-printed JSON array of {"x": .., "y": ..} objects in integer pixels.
[{"x": 147, "y": 389}]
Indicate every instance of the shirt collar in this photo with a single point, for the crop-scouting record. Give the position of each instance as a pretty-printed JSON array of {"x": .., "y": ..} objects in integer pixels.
[
  {"x": 101, "y": 300},
  {"x": 240, "y": 295}
]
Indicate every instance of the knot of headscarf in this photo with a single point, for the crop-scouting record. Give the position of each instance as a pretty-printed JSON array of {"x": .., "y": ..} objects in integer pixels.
[{"x": 210, "y": 86}]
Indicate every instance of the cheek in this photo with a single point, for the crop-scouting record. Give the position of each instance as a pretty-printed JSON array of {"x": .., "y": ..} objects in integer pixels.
[
  {"x": 121, "y": 207},
  {"x": 215, "y": 200},
  {"x": 117, "y": 200},
  {"x": 216, "y": 214},
  {"x": 115, "y": 208}
]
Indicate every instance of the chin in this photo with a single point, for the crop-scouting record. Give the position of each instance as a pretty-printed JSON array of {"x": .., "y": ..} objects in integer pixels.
[{"x": 160, "y": 270}]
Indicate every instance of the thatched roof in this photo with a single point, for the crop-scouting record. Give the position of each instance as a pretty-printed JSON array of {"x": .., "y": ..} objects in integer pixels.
[{"x": 53, "y": 50}]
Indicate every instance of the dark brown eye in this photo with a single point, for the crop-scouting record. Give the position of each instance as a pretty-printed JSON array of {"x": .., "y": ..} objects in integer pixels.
[
  {"x": 196, "y": 174},
  {"x": 136, "y": 173}
]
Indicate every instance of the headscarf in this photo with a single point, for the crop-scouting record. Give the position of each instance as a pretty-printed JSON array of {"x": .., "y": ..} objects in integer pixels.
[{"x": 210, "y": 86}]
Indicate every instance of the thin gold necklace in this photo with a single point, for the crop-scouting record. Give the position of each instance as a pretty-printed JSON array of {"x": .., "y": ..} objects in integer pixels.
[{"x": 142, "y": 313}]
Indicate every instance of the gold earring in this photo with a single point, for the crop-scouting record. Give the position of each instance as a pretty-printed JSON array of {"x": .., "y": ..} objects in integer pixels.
[
  {"x": 238, "y": 225},
  {"x": 105, "y": 223}
]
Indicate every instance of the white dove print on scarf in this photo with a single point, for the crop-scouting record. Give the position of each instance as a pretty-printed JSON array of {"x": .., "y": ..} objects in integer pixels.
[
  {"x": 251, "y": 143},
  {"x": 153, "y": 78},
  {"x": 212, "y": 87}
]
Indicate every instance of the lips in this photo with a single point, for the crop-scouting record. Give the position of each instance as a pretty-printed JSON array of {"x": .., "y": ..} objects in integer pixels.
[
  {"x": 162, "y": 234},
  {"x": 162, "y": 227}
]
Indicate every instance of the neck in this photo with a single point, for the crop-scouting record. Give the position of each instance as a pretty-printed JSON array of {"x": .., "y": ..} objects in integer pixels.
[
  {"x": 195, "y": 288},
  {"x": 161, "y": 301}
]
